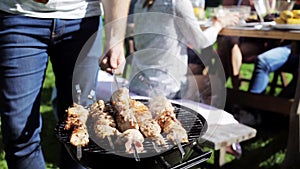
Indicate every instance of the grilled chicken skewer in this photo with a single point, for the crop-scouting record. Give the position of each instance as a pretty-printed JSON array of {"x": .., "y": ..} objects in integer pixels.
[
  {"x": 133, "y": 140},
  {"x": 126, "y": 122},
  {"x": 76, "y": 120},
  {"x": 148, "y": 126},
  {"x": 163, "y": 113},
  {"x": 103, "y": 123},
  {"x": 123, "y": 113}
]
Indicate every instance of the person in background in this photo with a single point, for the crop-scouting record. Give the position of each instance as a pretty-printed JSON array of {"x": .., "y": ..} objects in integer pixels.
[
  {"x": 31, "y": 31},
  {"x": 233, "y": 51},
  {"x": 129, "y": 43},
  {"x": 163, "y": 30},
  {"x": 272, "y": 60}
]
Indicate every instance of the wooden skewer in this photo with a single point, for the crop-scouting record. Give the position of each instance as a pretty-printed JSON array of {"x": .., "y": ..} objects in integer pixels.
[
  {"x": 78, "y": 91},
  {"x": 180, "y": 148},
  {"x": 79, "y": 151},
  {"x": 110, "y": 142},
  {"x": 135, "y": 153},
  {"x": 157, "y": 148},
  {"x": 91, "y": 96}
]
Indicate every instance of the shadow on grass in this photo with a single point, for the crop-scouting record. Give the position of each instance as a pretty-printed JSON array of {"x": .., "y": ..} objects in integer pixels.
[
  {"x": 267, "y": 149},
  {"x": 50, "y": 142}
]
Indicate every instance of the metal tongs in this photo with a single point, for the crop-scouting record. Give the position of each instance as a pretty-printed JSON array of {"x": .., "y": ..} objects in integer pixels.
[{"x": 135, "y": 153}]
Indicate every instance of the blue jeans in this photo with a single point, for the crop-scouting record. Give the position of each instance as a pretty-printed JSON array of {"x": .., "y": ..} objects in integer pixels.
[
  {"x": 268, "y": 62},
  {"x": 25, "y": 44}
]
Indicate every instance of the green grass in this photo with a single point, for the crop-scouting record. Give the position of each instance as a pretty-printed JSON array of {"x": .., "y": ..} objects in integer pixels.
[{"x": 49, "y": 141}]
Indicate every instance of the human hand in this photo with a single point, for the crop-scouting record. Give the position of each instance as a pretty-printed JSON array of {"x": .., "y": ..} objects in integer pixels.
[
  {"x": 113, "y": 59},
  {"x": 231, "y": 19}
]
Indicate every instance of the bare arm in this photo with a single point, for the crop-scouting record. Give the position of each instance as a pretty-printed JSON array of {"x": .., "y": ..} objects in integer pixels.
[{"x": 115, "y": 12}]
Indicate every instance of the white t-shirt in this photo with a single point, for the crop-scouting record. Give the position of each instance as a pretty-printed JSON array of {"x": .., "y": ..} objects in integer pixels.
[
  {"x": 162, "y": 34},
  {"x": 64, "y": 9}
]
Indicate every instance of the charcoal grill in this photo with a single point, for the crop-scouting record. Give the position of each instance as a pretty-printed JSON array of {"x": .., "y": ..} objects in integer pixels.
[{"x": 94, "y": 156}]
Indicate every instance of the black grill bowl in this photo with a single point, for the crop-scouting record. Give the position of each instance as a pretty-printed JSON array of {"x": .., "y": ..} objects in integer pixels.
[{"x": 94, "y": 156}]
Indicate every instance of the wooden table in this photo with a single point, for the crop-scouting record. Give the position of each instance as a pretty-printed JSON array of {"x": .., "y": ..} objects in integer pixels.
[
  {"x": 293, "y": 147},
  {"x": 262, "y": 33}
]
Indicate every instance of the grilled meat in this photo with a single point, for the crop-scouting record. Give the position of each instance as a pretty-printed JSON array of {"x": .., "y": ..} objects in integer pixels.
[
  {"x": 126, "y": 121},
  {"x": 131, "y": 138},
  {"x": 163, "y": 113},
  {"x": 160, "y": 104},
  {"x": 103, "y": 122},
  {"x": 124, "y": 115},
  {"x": 79, "y": 136},
  {"x": 148, "y": 126},
  {"x": 76, "y": 120}
]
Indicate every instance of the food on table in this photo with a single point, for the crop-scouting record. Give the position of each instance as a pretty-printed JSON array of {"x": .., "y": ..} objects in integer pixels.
[
  {"x": 163, "y": 112},
  {"x": 286, "y": 14},
  {"x": 76, "y": 120},
  {"x": 296, "y": 13},
  {"x": 288, "y": 17},
  {"x": 279, "y": 20},
  {"x": 293, "y": 21},
  {"x": 268, "y": 18},
  {"x": 252, "y": 18}
]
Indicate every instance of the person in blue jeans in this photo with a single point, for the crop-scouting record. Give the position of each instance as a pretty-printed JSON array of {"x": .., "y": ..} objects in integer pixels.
[
  {"x": 31, "y": 31},
  {"x": 271, "y": 61},
  {"x": 266, "y": 63}
]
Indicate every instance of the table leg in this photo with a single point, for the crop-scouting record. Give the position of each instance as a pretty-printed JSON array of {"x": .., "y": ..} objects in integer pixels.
[
  {"x": 219, "y": 158},
  {"x": 222, "y": 158}
]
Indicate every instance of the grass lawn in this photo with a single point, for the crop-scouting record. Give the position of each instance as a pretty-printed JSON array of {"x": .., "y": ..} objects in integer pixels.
[{"x": 264, "y": 151}]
